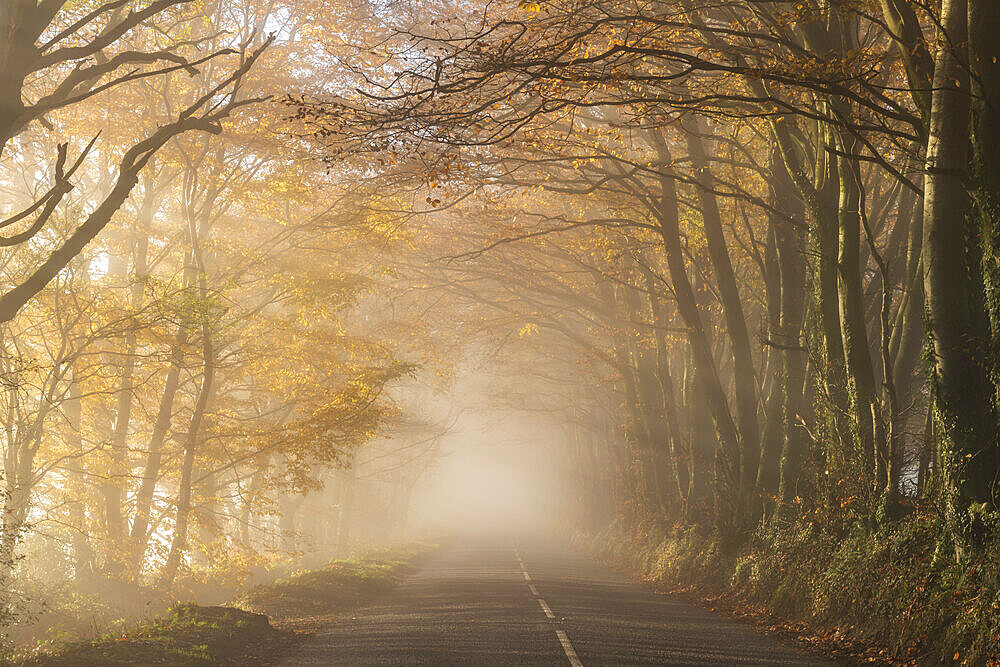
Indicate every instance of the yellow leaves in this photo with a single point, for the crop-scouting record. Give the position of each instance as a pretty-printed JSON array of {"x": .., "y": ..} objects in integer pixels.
[
  {"x": 531, "y": 6},
  {"x": 529, "y": 329}
]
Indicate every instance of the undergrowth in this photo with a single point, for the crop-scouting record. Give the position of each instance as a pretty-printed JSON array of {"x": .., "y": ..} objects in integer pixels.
[{"x": 883, "y": 588}]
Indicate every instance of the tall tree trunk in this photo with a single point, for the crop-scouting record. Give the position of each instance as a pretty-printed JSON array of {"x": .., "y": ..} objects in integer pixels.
[
  {"x": 636, "y": 429},
  {"x": 704, "y": 361},
  {"x": 702, "y": 439},
  {"x": 773, "y": 376},
  {"x": 82, "y": 553},
  {"x": 119, "y": 561},
  {"x": 908, "y": 338},
  {"x": 984, "y": 62},
  {"x": 790, "y": 350},
  {"x": 651, "y": 408},
  {"x": 18, "y": 466},
  {"x": 736, "y": 326},
  {"x": 346, "y": 515},
  {"x": 178, "y": 545},
  {"x": 964, "y": 394},
  {"x": 857, "y": 347},
  {"x": 679, "y": 460},
  {"x": 138, "y": 537},
  {"x": 821, "y": 202}
]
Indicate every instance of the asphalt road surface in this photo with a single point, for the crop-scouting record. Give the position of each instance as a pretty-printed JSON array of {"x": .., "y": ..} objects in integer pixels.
[{"x": 506, "y": 602}]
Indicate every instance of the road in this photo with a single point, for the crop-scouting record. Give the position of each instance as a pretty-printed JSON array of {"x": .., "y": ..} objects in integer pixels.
[{"x": 504, "y": 602}]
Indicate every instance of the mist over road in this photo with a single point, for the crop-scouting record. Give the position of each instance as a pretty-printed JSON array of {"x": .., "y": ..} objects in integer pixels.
[{"x": 500, "y": 601}]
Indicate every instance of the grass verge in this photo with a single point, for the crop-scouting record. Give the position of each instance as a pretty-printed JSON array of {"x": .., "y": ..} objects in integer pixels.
[
  {"x": 339, "y": 585},
  {"x": 187, "y": 635},
  {"x": 190, "y": 635}
]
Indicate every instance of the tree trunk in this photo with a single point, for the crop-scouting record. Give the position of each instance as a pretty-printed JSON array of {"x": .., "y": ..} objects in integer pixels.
[
  {"x": 82, "y": 554},
  {"x": 118, "y": 563},
  {"x": 857, "y": 347},
  {"x": 179, "y": 543},
  {"x": 736, "y": 328},
  {"x": 678, "y": 469},
  {"x": 787, "y": 339},
  {"x": 964, "y": 394},
  {"x": 704, "y": 361},
  {"x": 154, "y": 455},
  {"x": 346, "y": 514}
]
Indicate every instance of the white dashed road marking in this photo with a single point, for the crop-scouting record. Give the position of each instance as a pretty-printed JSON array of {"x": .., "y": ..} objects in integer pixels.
[
  {"x": 574, "y": 659},
  {"x": 545, "y": 608}
]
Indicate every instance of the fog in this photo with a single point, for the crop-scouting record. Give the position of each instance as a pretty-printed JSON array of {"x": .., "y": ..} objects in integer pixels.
[
  {"x": 496, "y": 474},
  {"x": 286, "y": 283}
]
